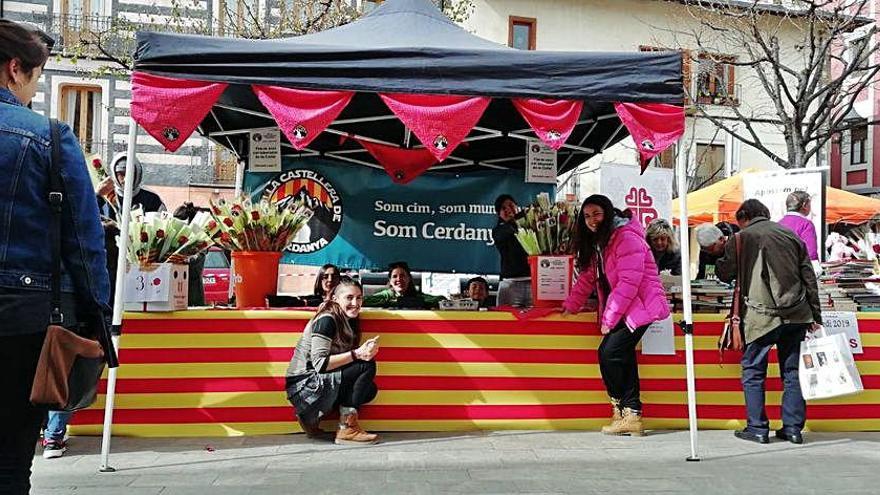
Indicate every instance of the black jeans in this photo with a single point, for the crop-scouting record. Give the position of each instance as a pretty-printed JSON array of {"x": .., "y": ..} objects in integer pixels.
[
  {"x": 619, "y": 367},
  {"x": 358, "y": 384},
  {"x": 20, "y": 421},
  {"x": 787, "y": 339}
]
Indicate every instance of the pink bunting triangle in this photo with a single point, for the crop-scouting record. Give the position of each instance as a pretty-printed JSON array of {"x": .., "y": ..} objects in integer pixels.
[
  {"x": 653, "y": 126},
  {"x": 403, "y": 165},
  {"x": 441, "y": 122},
  {"x": 302, "y": 114},
  {"x": 552, "y": 120},
  {"x": 171, "y": 109}
]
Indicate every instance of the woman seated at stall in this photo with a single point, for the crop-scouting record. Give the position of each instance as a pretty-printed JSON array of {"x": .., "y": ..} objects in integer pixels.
[
  {"x": 325, "y": 282},
  {"x": 664, "y": 247},
  {"x": 401, "y": 292},
  {"x": 331, "y": 367}
]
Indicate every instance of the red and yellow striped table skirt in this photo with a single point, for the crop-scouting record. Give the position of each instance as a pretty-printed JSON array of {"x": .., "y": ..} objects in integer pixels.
[{"x": 215, "y": 373}]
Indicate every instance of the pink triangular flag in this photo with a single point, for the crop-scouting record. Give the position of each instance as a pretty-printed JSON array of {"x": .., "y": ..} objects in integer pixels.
[{"x": 302, "y": 114}]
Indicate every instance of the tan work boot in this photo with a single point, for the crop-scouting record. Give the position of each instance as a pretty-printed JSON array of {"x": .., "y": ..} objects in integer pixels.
[
  {"x": 629, "y": 424},
  {"x": 615, "y": 416},
  {"x": 350, "y": 432}
]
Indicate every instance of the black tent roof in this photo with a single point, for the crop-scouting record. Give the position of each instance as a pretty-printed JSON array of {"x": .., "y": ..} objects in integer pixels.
[{"x": 408, "y": 46}]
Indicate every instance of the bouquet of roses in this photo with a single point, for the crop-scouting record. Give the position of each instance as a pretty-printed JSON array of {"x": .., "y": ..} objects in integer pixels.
[
  {"x": 243, "y": 225},
  {"x": 546, "y": 228},
  {"x": 161, "y": 238}
]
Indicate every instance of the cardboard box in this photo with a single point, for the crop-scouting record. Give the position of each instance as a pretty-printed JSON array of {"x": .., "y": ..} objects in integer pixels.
[{"x": 157, "y": 287}]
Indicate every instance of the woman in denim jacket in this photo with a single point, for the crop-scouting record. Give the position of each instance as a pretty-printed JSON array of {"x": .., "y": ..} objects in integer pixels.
[{"x": 25, "y": 245}]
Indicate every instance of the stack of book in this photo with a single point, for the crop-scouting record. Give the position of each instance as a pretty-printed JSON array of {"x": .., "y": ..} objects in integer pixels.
[
  {"x": 850, "y": 286},
  {"x": 711, "y": 296}
]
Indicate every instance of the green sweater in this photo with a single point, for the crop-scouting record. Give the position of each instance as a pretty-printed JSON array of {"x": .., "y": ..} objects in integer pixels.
[{"x": 387, "y": 298}]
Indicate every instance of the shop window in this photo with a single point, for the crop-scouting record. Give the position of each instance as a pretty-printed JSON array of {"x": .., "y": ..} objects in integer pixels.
[
  {"x": 709, "y": 165},
  {"x": 521, "y": 33},
  {"x": 716, "y": 80},
  {"x": 81, "y": 110},
  {"x": 857, "y": 143}
]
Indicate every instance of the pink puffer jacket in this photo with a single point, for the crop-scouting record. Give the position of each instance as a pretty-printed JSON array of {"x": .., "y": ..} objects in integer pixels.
[{"x": 637, "y": 295}]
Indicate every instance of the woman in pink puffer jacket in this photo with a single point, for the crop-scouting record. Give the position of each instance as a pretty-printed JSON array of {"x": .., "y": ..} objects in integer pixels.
[{"x": 613, "y": 258}]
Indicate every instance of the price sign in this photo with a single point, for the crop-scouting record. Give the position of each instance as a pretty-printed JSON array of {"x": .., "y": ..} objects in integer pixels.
[{"x": 844, "y": 322}]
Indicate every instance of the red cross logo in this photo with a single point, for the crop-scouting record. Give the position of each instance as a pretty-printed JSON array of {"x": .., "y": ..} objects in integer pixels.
[{"x": 641, "y": 204}]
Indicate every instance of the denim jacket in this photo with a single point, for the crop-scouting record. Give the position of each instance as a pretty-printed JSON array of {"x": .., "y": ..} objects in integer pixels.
[{"x": 25, "y": 250}]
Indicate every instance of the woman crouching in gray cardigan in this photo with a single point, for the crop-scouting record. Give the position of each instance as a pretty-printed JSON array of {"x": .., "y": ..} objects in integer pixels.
[{"x": 330, "y": 367}]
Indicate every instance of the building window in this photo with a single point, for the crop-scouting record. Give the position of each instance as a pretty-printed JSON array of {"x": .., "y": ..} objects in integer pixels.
[
  {"x": 715, "y": 80},
  {"x": 857, "y": 143},
  {"x": 709, "y": 165},
  {"x": 667, "y": 158},
  {"x": 78, "y": 23},
  {"x": 685, "y": 66},
  {"x": 81, "y": 109},
  {"x": 521, "y": 33},
  {"x": 224, "y": 166}
]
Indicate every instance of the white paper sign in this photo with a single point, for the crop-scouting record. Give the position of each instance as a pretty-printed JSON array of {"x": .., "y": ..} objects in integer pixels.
[
  {"x": 659, "y": 338},
  {"x": 265, "y": 151},
  {"x": 648, "y": 195},
  {"x": 844, "y": 322},
  {"x": 540, "y": 163},
  {"x": 554, "y": 277},
  {"x": 772, "y": 189}
]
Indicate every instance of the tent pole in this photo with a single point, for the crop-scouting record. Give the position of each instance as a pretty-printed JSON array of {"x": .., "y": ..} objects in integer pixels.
[
  {"x": 687, "y": 324},
  {"x": 118, "y": 299}
]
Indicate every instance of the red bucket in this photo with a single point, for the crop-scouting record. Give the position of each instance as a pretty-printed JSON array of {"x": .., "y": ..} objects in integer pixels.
[
  {"x": 553, "y": 280},
  {"x": 256, "y": 276}
]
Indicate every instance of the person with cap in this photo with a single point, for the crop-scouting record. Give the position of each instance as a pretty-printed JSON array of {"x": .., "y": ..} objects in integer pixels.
[
  {"x": 712, "y": 239},
  {"x": 515, "y": 288},
  {"x": 109, "y": 205},
  {"x": 401, "y": 291},
  {"x": 111, "y": 189}
]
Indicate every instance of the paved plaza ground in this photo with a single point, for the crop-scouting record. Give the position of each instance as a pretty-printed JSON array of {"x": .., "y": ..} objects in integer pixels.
[{"x": 473, "y": 462}]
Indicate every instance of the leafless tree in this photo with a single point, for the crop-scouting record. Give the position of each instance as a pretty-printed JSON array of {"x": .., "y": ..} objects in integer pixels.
[
  {"x": 811, "y": 58},
  {"x": 113, "y": 42}
]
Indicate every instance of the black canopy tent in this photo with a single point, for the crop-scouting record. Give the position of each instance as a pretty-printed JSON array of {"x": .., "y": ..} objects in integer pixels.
[
  {"x": 403, "y": 47},
  {"x": 408, "y": 46}
]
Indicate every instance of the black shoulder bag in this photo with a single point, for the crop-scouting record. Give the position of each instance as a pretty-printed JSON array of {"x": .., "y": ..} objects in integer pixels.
[{"x": 71, "y": 362}]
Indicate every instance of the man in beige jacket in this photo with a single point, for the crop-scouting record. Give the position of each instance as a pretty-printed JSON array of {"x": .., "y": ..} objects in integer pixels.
[{"x": 780, "y": 303}]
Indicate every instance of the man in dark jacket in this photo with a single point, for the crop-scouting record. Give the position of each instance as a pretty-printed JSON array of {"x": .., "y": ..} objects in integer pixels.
[
  {"x": 780, "y": 303},
  {"x": 515, "y": 288}
]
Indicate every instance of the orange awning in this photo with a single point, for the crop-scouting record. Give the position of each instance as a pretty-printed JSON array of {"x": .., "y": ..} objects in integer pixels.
[{"x": 720, "y": 200}]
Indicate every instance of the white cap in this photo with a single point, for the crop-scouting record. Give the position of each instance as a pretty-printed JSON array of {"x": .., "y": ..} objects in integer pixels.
[{"x": 708, "y": 234}]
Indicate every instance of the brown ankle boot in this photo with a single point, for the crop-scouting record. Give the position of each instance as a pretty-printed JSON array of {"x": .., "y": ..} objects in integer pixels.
[
  {"x": 629, "y": 424},
  {"x": 615, "y": 417},
  {"x": 350, "y": 432},
  {"x": 312, "y": 430}
]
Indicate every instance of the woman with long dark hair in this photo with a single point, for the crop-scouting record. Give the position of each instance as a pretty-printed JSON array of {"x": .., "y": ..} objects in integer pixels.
[
  {"x": 613, "y": 258},
  {"x": 332, "y": 368},
  {"x": 325, "y": 281}
]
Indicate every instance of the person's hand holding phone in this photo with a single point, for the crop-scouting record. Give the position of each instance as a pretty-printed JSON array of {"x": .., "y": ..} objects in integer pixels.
[{"x": 368, "y": 350}]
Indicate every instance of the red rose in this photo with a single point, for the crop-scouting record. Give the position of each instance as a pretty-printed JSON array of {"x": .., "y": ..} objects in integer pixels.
[
  {"x": 182, "y": 239},
  {"x": 202, "y": 245},
  {"x": 216, "y": 210},
  {"x": 225, "y": 237},
  {"x": 160, "y": 234},
  {"x": 96, "y": 163},
  {"x": 212, "y": 225},
  {"x": 255, "y": 215},
  {"x": 228, "y": 222},
  {"x": 144, "y": 237}
]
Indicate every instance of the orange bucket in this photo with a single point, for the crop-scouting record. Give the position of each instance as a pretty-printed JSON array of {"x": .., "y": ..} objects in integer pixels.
[
  {"x": 561, "y": 285},
  {"x": 256, "y": 276}
]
